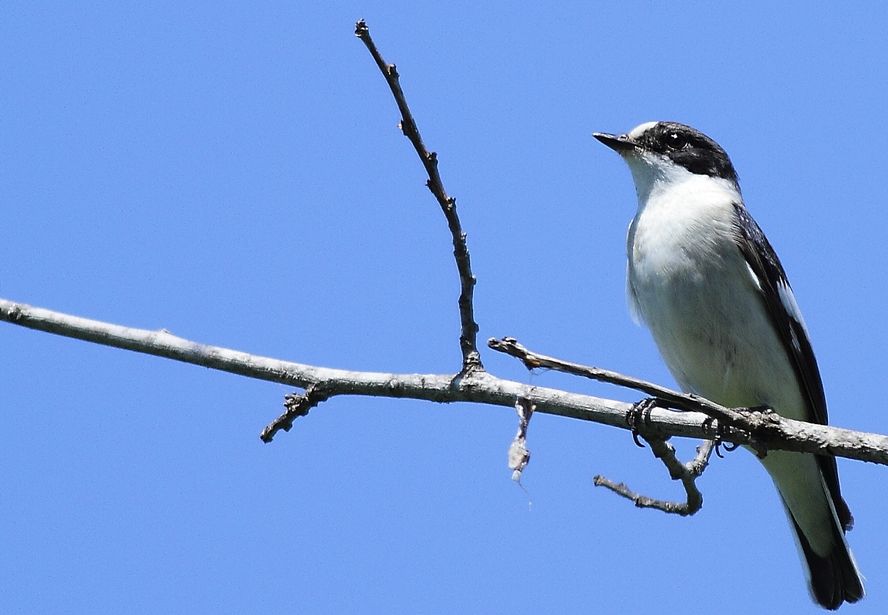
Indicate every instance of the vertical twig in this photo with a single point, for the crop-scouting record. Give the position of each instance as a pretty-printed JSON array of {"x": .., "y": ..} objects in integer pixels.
[{"x": 468, "y": 327}]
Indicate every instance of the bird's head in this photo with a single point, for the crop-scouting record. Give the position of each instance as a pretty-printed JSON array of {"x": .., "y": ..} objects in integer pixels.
[{"x": 668, "y": 150}]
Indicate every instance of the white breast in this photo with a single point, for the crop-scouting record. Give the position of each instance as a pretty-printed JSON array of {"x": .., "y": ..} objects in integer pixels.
[{"x": 692, "y": 287}]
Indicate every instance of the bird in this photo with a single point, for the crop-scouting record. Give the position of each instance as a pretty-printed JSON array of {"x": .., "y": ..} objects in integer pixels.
[{"x": 704, "y": 279}]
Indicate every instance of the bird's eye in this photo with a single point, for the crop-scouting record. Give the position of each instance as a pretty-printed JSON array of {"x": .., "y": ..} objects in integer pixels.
[{"x": 676, "y": 140}]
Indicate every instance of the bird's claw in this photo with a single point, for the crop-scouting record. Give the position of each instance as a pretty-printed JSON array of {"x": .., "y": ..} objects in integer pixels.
[
  {"x": 720, "y": 430},
  {"x": 719, "y": 444},
  {"x": 640, "y": 411}
]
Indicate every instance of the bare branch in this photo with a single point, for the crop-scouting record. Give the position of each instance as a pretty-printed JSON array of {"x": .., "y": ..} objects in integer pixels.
[
  {"x": 772, "y": 431},
  {"x": 666, "y": 397},
  {"x": 761, "y": 430},
  {"x": 478, "y": 387},
  {"x": 687, "y": 473},
  {"x": 469, "y": 328}
]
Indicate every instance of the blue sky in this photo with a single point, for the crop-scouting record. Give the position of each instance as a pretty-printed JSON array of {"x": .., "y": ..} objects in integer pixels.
[{"x": 233, "y": 172}]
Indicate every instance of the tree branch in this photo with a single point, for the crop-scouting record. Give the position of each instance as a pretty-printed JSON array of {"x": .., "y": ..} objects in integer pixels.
[
  {"x": 481, "y": 387},
  {"x": 665, "y": 397},
  {"x": 469, "y": 328},
  {"x": 687, "y": 473},
  {"x": 761, "y": 430}
]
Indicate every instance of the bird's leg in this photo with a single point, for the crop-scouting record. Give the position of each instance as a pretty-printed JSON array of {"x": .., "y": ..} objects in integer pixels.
[{"x": 640, "y": 411}]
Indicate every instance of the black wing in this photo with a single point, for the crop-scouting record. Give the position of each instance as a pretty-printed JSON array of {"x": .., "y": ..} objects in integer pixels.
[{"x": 781, "y": 306}]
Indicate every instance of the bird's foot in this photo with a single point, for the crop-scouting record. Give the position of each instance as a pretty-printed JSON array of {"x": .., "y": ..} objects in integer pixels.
[
  {"x": 721, "y": 430},
  {"x": 720, "y": 444},
  {"x": 638, "y": 414}
]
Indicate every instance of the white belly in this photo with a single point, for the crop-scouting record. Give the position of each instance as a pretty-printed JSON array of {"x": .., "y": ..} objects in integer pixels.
[{"x": 701, "y": 303}]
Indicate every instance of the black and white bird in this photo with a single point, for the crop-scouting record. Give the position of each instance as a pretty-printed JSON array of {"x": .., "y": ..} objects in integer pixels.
[{"x": 705, "y": 280}]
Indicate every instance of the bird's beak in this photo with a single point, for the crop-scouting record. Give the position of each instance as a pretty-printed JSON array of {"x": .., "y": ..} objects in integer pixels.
[{"x": 621, "y": 144}]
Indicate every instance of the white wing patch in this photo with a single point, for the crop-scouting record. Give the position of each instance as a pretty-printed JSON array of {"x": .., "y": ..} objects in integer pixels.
[
  {"x": 788, "y": 301},
  {"x": 755, "y": 279}
]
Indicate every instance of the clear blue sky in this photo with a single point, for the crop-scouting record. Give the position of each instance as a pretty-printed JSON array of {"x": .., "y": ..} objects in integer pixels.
[{"x": 233, "y": 172}]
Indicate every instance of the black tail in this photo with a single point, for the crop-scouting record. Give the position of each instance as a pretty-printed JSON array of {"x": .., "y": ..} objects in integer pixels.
[{"x": 834, "y": 578}]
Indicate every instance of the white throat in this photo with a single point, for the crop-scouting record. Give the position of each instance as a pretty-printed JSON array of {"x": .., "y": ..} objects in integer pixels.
[{"x": 658, "y": 178}]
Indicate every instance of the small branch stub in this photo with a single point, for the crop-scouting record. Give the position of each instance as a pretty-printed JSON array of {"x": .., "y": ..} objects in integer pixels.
[{"x": 296, "y": 405}]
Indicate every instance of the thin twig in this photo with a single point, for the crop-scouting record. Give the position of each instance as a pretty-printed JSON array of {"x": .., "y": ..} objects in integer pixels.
[
  {"x": 666, "y": 397},
  {"x": 775, "y": 433},
  {"x": 698, "y": 464},
  {"x": 687, "y": 473},
  {"x": 469, "y": 328}
]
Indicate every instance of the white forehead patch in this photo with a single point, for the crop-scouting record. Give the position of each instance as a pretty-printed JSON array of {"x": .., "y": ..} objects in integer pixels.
[{"x": 639, "y": 130}]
